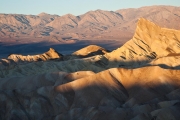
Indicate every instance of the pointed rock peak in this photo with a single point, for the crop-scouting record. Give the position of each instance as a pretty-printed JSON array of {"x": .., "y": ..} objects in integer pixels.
[
  {"x": 150, "y": 32},
  {"x": 69, "y": 16},
  {"x": 90, "y": 50},
  {"x": 101, "y": 12},
  {"x": 53, "y": 53},
  {"x": 51, "y": 50},
  {"x": 146, "y": 29},
  {"x": 142, "y": 22},
  {"x": 49, "y": 55},
  {"x": 43, "y": 14},
  {"x": 148, "y": 43},
  {"x": 97, "y": 11},
  {"x": 93, "y": 47}
]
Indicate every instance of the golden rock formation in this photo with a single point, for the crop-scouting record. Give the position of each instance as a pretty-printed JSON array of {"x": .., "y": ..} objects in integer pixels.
[
  {"x": 138, "y": 81},
  {"x": 90, "y": 50},
  {"x": 50, "y": 54},
  {"x": 148, "y": 43}
]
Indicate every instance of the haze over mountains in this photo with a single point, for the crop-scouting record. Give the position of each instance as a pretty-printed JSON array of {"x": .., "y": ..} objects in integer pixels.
[{"x": 93, "y": 25}]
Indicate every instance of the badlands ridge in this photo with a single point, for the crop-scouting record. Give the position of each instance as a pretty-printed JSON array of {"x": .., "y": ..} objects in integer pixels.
[{"x": 138, "y": 81}]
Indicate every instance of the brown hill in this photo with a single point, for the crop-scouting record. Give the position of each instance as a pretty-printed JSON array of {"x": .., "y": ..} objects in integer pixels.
[
  {"x": 64, "y": 22},
  {"x": 16, "y": 25},
  {"x": 150, "y": 43},
  {"x": 15, "y": 59},
  {"x": 90, "y": 50},
  {"x": 164, "y": 16},
  {"x": 93, "y": 25},
  {"x": 51, "y": 54}
]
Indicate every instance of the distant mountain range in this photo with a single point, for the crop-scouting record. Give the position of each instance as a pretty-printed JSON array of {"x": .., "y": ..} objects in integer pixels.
[{"x": 93, "y": 25}]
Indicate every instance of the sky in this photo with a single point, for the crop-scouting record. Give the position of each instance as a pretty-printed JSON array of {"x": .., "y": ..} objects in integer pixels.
[{"x": 75, "y": 7}]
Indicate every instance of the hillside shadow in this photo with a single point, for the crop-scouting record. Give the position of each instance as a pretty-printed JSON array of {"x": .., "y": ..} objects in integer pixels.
[
  {"x": 41, "y": 47},
  {"x": 98, "y": 52},
  {"x": 120, "y": 93},
  {"x": 110, "y": 98},
  {"x": 113, "y": 102},
  {"x": 107, "y": 95}
]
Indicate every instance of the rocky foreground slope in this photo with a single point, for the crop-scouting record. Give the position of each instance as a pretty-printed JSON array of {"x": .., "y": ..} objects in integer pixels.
[{"x": 138, "y": 81}]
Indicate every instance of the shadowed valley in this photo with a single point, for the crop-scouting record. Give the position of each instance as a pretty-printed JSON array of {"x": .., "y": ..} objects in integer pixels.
[{"x": 42, "y": 31}]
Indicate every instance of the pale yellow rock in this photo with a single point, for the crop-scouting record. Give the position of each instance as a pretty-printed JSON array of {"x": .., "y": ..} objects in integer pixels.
[
  {"x": 51, "y": 54},
  {"x": 149, "y": 42},
  {"x": 90, "y": 50}
]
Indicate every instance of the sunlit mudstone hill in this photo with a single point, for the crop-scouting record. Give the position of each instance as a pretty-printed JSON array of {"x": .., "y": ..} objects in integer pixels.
[
  {"x": 51, "y": 54},
  {"x": 138, "y": 81},
  {"x": 150, "y": 42},
  {"x": 90, "y": 50}
]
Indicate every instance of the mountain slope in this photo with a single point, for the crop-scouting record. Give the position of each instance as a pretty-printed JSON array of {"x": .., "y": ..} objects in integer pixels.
[
  {"x": 161, "y": 15},
  {"x": 150, "y": 43},
  {"x": 16, "y": 25},
  {"x": 90, "y": 50},
  {"x": 93, "y": 25},
  {"x": 138, "y": 81},
  {"x": 122, "y": 93},
  {"x": 51, "y": 54}
]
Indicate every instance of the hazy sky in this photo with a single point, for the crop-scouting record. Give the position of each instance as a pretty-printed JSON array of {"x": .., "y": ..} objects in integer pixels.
[{"x": 76, "y": 7}]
